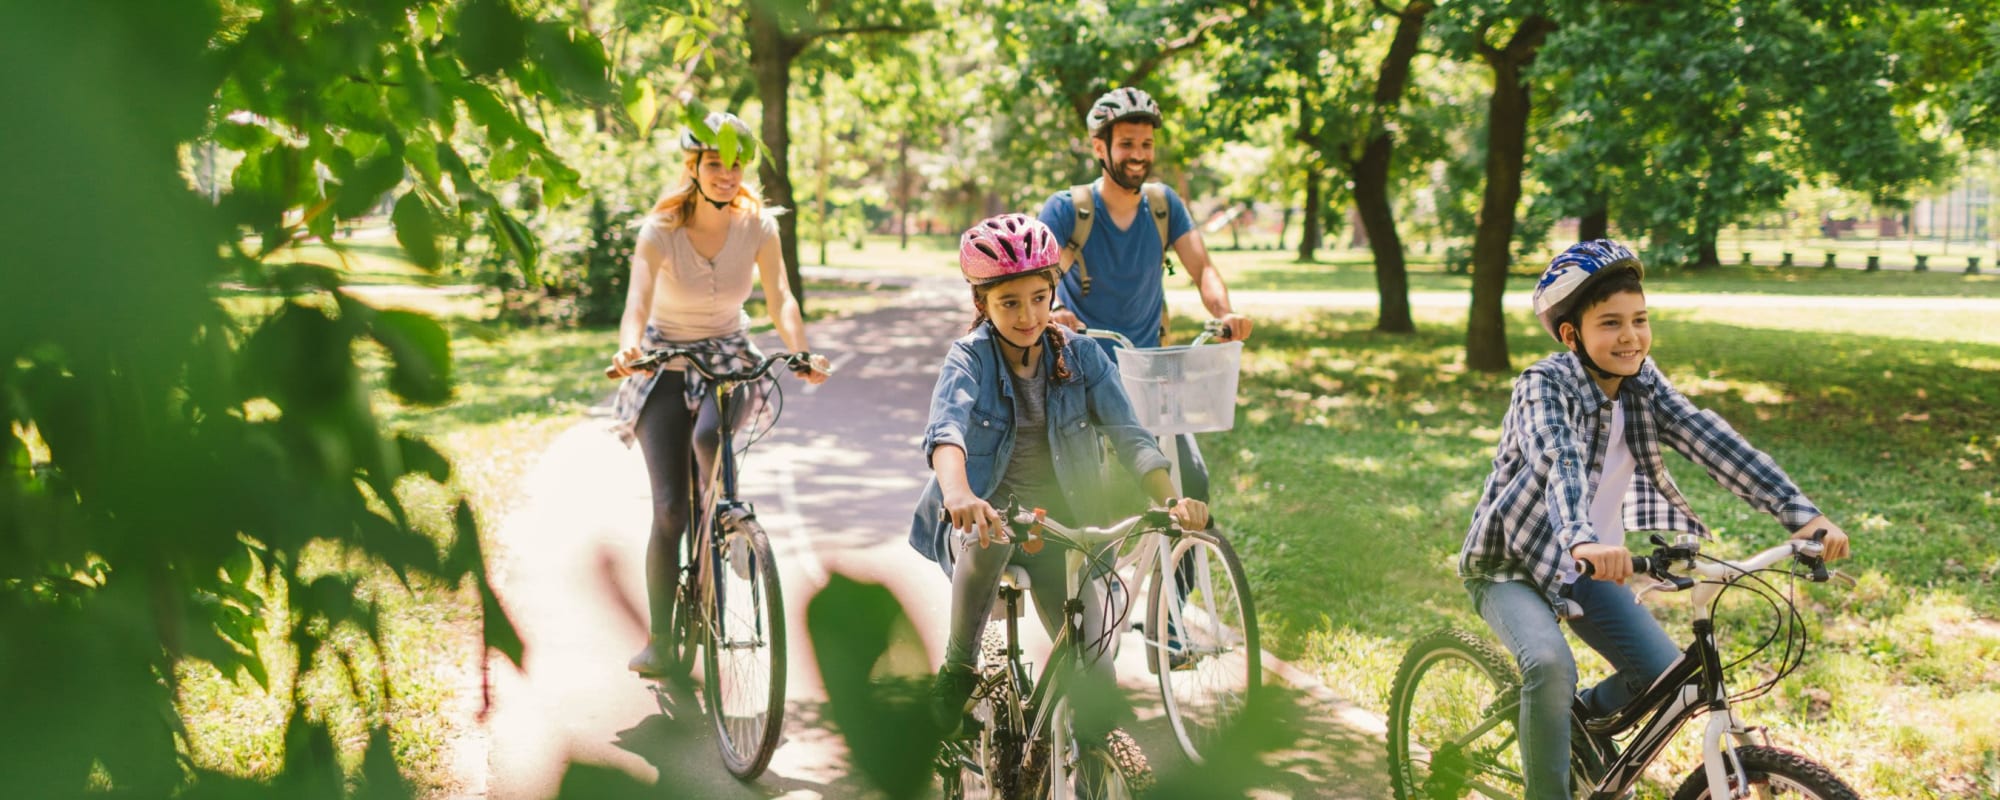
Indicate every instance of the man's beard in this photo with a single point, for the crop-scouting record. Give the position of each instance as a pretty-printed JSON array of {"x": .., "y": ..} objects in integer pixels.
[{"x": 1118, "y": 175}]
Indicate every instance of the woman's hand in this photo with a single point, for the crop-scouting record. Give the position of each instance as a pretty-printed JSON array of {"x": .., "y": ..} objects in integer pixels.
[
  {"x": 627, "y": 356},
  {"x": 1836, "y": 539},
  {"x": 817, "y": 370},
  {"x": 1607, "y": 562},
  {"x": 969, "y": 513},
  {"x": 1190, "y": 514}
]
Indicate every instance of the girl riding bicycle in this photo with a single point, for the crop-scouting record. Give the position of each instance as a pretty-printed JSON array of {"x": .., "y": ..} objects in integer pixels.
[
  {"x": 1017, "y": 413},
  {"x": 1579, "y": 464},
  {"x": 691, "y": 273}
]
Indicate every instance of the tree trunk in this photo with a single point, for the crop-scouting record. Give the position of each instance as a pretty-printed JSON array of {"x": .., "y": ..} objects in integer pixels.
[
  {"x": 1596, "y": 224},
  {"x": 1371, "y": 176},
  {"x": 771, "y": 54},
  {"x": 903, "y": 189},
  {"x": 1309, "y": 233},
  {"x": 1706, "y": 254},
  {"x": 1506, "y": 152}
]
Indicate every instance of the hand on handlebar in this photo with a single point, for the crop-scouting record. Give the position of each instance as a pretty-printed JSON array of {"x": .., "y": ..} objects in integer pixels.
[
  {"x": 1236, "y": 327},
  {"x": 624, "y": 357},
  {"x": 1835, "y": 541},
  {"x": 1190, "y": 514},
  {"x": 813, "y": 369},
  {"x": 1607, "y": 562},
  {"x": 969, "y": 513}
]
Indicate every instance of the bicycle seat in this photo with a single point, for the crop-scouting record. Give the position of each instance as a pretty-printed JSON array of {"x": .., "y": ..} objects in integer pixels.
[{"x": 1015, "y": 578}]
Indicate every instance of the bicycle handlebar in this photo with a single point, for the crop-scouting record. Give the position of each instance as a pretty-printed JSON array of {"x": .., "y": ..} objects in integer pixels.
[
  {"x": 798, "y": 363},
  {"x": 1212, "y": 329},
  {"x": 1666, "y": 557},
  {"x": 1033, "y": 527}
]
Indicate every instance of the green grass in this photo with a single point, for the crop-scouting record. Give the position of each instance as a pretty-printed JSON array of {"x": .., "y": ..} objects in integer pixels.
[
  {"x": 1358, "y": 457},
  {"x": 1355, "y": 271}
]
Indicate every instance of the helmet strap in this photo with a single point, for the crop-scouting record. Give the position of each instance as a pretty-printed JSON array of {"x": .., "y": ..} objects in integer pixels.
[
  {"x": 1005, "y": 346},
  {"x": 1117, "y": 178},
  {"x": 704, "y": 195},
  {"x": 1583, "y": 356}
]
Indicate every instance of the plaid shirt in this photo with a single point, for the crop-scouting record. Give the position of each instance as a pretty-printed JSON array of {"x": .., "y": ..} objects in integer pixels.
[{"x": 1536, "y": 504}]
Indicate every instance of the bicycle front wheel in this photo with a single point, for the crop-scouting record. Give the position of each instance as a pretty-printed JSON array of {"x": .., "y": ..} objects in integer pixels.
[
  {"x": 1115, "y": 769},
  {"x": 986, "y": 765},
  {"x": 745, "y": 677},
  {"x": 1773, "y": 772},
  {"x": 1201, "y": 639}
]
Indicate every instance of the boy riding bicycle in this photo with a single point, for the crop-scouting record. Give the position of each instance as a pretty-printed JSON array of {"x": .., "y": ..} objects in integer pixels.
[{"x": 1580, "y": 463}]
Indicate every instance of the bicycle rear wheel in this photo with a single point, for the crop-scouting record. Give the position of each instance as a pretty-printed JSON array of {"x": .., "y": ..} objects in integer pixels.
[
  {"x": 1452, "y": 717},
  {"x": 744, "y": 681},
  {"x": 1201, "y": 639}
]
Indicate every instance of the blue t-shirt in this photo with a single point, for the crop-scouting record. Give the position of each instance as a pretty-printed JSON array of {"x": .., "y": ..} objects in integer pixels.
[{"x": 1125, "y": 289}]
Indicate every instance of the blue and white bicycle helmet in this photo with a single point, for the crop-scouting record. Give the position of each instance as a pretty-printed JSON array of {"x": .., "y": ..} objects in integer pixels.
[{"x": 1573, "y": 269}]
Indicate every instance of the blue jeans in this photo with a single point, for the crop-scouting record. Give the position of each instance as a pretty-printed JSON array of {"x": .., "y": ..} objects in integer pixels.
[{"x": 1616, "y": 627}]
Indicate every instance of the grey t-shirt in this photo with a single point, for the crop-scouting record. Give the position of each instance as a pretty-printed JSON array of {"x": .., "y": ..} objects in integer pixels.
[{"x": 1031, "y": 471}]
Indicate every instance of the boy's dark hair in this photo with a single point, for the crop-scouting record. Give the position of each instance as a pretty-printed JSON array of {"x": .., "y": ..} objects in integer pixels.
[{"x": 1599, "y": 290}]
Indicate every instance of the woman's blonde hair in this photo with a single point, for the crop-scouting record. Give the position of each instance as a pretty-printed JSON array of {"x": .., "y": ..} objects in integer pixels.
[{"x": 676, "y": 207}]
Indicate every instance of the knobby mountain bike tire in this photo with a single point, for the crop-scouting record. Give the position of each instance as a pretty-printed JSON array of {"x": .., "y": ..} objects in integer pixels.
[
  {"x": 1783, "y": 772},
  {"x": 986, "y": 765},
  {"x": 1202, "y": 608},
  {"x": 1450, "y": 685},
  {"x": 1116, "y": 769},
  {"x": 744, "y": 677}
]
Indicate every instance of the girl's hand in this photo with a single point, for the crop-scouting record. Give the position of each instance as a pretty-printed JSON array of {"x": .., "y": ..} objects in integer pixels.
[
  {"x": 1835, "y": 541},
  {"x": 627, "y": 356},
  {"x": 1190, "y": 514},
  {"x": 969, "y": 513}
]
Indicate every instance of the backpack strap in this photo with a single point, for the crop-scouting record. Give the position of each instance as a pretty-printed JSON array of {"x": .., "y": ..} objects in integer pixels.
[
  {"x": 1086, "y": 208},
  {"x": 1156, "y": 199}
]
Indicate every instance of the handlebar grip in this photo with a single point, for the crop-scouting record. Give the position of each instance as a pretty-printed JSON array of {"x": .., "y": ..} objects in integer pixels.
[
  {"x": 612, "y": 372},
  {"x": 1640, "y": 565}
]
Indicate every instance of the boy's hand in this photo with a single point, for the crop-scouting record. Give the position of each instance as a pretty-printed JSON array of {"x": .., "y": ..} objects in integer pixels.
[
  {"x": 1607, "y": 562},
  {"x": 1836, "y": 539}
]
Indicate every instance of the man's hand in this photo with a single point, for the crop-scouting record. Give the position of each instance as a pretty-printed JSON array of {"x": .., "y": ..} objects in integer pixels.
[
  {"x": 1608, "y": 562},
  {"x": 1190, "y": 513},
  {"x": 1238, "y": 325},
  {"x": 1065, "y": 318},
  {"x": 1836, "y": 539}
]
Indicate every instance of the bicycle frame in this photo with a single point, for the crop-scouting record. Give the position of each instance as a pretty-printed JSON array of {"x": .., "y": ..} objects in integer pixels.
[
  {"x": 1691, "y": 686},
  {"x": 1079, "y": 547}
]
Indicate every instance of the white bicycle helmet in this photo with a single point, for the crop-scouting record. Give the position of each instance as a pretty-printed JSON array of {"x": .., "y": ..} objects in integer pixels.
[
  {"x": 1571, "y": 270},
  {"x": 694, "y": 140},
  {"x": 1119, "y": 105}
]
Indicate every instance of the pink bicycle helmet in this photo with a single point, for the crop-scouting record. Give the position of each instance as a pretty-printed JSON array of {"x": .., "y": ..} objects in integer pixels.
[{"x": 1006, "y": 246}]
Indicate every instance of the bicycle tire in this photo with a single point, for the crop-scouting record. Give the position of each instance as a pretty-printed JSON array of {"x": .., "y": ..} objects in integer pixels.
[
  {"x": 1773, "y": 767},
  {"x": 987, "y": 766},
  {"x": 1216, "y": 628},
  {"x": 1114, "y": 770},
  {"x": 744, "y": 677},
  {"x": 684, "y": 636},
  {"x": 1484, "y": 681}
]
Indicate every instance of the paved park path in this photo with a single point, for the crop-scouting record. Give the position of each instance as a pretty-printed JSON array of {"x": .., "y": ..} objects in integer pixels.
[{"x": 834, "y": 486}]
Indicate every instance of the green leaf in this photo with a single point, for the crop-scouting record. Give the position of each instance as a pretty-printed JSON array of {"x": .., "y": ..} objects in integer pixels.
[
  {"x": 366, "y": 183},
  {"x": 576, "y": 61},
  {"x": 420, "y": 456},
  {"x": 421, "y": 354},
  {"x": 642, "y": 106},
  {"x": 491, "y": 37},
  {"x": 518, "y": 240},
  {"x": 853, "y": 626},
  {"x": 416, "y": 231}
]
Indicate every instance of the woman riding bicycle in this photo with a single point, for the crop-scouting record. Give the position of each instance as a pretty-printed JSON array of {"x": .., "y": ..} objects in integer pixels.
[
  {"x": 1017, "y": 413},
  {"x": 691, "y": 273},
  {"x": 1579, "y": 463}
]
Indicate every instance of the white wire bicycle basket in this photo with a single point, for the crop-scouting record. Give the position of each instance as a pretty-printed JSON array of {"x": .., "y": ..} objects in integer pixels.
[{"x": 1182, "y": 389}]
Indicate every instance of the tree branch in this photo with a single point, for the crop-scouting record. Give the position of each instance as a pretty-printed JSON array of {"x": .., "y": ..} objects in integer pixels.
[
  {"x": 1193, "y": 37},
  {"x": 862, "y": 30}
]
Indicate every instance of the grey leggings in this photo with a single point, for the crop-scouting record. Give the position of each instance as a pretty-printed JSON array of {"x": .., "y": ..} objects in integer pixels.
[
  {"x": 666, "y": 433},
  {"x": 975, "y": 584}
]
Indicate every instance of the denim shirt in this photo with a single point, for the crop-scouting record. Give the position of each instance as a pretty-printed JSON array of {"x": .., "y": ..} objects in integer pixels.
[{"x": 973, "y": 409}]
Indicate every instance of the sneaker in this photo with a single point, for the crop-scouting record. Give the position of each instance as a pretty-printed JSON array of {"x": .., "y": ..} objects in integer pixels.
[
  {"x": 651, "y": 662},
  {"x": 951, "y": 699}
]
